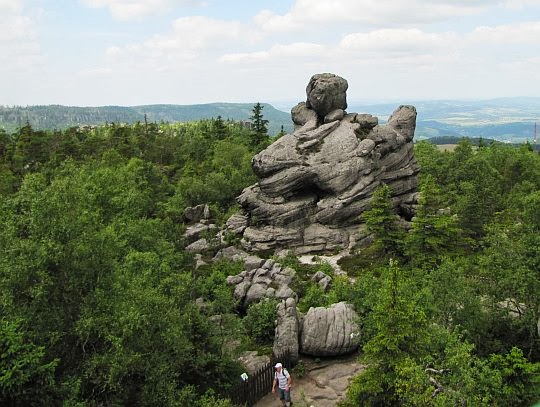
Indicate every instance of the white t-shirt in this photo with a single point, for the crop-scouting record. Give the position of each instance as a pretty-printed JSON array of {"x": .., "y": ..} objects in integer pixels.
[{"x": 282, "y": 378}]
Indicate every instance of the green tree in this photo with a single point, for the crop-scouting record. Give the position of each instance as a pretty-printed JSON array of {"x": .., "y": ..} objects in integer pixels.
[
  {"x": 259, "y": 125},
  {"x": 434, "y": 230},
  {"x": 25, "y": 374},
  {"x": 400, "y": 331},
  {"x": 220, "y": 128},
  {"x": 382, "y": 221}
]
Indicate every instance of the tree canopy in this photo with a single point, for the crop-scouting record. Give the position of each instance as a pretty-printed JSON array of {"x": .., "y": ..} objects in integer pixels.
[{"x": 98, "y": 294}]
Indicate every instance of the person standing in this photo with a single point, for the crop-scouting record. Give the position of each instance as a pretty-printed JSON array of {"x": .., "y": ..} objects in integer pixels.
[{"x": 282, "y": 379}]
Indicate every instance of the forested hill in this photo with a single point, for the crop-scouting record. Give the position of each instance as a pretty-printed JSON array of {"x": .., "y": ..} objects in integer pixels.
[
  {"x": 507, "y": 119},
  {"x": 61, "y": 117}
]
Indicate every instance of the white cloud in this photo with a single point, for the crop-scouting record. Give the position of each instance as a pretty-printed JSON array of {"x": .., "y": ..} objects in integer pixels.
[
  {"x": 402, "y": 48},
  {"x": 137, "y": 9},
  {"x": 269, "y": 21},
  {"x": 278, "y": 53},
  {"x": 526, "y": 68},
  {"x": 521, "y": 4},
  {"x": 305, "y": 13},
  {"x": 10, "y": 6},
  {"x": 95, "y": 72},
  {"x": 191, "y": 38},
  {"x": 18, "y": 39},
  {"x": 398, "y": 41},
  {"x": 520, "y": 33}
]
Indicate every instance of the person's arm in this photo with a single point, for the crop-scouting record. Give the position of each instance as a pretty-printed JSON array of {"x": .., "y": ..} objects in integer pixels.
[
  {"x": 274, "y": 385},
  {"x": 289, "y": 383}
]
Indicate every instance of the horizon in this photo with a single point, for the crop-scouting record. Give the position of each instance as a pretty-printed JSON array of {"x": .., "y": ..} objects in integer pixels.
[
  {"x": 143, "y": 52},
  {"x": 278, "y": 104}
]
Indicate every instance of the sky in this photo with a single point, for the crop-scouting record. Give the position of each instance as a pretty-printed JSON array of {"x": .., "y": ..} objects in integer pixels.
[{"x": 134, "y": 52}]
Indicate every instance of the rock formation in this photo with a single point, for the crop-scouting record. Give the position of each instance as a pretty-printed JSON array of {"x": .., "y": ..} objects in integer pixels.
[
  {"x": 287, "y": 329},
  {"x": 315, "y": 183},
  {"x": 262, "y": 279},
  {"x": 329, "y": 331}
]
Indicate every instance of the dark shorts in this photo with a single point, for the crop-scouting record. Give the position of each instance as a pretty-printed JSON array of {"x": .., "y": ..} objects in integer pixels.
[{"x": 284, "y": 394}]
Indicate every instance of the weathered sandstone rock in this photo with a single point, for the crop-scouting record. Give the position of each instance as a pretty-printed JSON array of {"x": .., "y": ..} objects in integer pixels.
[
  {"x": 315, "y": 183},
  {"x": 329, "y": 331},
  {"x": 287, "y": 329}
]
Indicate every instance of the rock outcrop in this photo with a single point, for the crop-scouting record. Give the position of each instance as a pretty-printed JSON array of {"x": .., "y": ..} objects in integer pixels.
[
  {"x": 315, "y": 183},
  {"x": 262, "y": 279},
  {"x": 287, "y": 329},
  {"x": 329, "y": 331}
]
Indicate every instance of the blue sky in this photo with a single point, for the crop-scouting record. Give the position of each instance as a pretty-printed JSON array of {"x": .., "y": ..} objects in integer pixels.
[{"x": 131, "y": 52}]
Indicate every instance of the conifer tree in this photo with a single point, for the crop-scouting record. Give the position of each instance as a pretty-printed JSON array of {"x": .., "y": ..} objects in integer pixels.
[
  {"x": 434, "y": 230},
  {"x": 259, "y": 125},
  {"x": 382, "y": 221}
]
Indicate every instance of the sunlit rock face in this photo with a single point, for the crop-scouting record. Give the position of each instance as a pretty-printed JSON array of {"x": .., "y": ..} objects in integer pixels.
[{"x": 315, "y": 183}]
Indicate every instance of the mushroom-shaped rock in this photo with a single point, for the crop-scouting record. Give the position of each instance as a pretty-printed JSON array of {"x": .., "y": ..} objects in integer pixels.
[
  {"x": 329, "y": 331},
  {"x": 315, "y": 183}
]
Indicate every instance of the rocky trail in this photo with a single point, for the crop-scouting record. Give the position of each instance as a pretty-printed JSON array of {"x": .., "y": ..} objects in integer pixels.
[{"x": 323, "y": 383}]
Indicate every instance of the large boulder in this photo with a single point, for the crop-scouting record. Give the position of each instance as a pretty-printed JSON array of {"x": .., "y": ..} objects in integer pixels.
[
  {"x": 315, "y": 183},
  {"x": 329, "y": 331},
  {"x": 326, "y": 92}
]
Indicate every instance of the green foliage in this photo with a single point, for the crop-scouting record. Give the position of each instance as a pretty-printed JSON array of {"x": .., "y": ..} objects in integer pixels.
[
  {"x": 382, "y": 221},
  {"x": 299, "y": 370},
  {"x": 259, "y": 321},
  {"x": 314, "y": 296},
  {"x": 434, "y": 231},
  {"x": 25, "y": 375},
  {"x": 520, "y": 378},
  {"x": 412, "y": 362},
  {"x": 98, "y": 297},
  {"x": 259, "y": 125},
  {"x": 105, "y": 295},
  {"x": 399, "y": 329},
  {"x": 367, "y": 258}
]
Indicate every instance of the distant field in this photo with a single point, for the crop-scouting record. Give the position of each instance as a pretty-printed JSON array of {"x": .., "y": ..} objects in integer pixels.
[
  {"x": 451, "y": 147},
  {"x": 446, "y": 147}
]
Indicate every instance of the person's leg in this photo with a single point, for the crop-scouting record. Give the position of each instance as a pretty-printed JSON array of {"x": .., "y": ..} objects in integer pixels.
[
  {"x": 287, "y": 397},
  {"x": 282, "y": 396}
]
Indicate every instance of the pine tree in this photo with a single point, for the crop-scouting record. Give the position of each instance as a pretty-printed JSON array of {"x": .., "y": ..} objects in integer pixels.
[
  {"x": 220, "y": 129},
  {"x": 382, "y": 221},
  {"x": 259, "y": 125},
  {"x": 435, "y": 231}
]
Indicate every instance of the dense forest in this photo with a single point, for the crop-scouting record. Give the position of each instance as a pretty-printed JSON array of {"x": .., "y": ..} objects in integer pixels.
[
  {"x": 98, "y": 294},
  {"x": 58, "y": 117}
]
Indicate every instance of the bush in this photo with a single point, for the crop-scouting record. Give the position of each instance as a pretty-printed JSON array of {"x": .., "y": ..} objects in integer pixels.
[{"x": 259, "y": 321}]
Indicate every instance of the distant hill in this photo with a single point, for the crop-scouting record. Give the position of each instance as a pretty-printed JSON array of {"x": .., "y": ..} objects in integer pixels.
[
  {"x": 61, "y": 117},
  {"x": 504, "y": 119}
]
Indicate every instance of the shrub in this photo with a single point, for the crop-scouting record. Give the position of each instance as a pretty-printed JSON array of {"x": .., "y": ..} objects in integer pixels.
[{"x": 259, "y": 321}]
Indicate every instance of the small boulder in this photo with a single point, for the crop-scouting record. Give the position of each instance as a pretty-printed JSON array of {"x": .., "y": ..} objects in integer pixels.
[
  {"x": 199, "y": 246},
  {"x": 196, "y": 213}
]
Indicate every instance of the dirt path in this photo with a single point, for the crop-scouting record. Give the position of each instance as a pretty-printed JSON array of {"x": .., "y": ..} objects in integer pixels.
[{"x": 323, "y": 384}]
